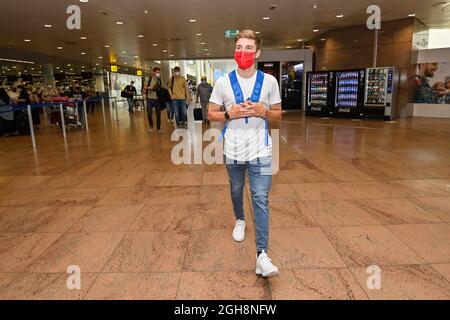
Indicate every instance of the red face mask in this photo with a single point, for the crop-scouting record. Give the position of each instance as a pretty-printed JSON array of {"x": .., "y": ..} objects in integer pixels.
[{"x": 244, "y": 59}]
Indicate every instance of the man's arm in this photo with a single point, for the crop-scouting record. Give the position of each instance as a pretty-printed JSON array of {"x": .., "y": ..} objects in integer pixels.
[
  {"x": 236, "y": 112},
  {"x": 188, "y": 93}
]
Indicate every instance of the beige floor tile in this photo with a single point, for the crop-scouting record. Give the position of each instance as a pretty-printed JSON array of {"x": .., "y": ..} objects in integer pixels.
[
  {"x": 371, "y": 190},
  {"x": 81, "y": 196},
  {"x": 214, "y": 194},
  {"x": 430, "y": 241},
  {"x": 319, "y": 191},
  {"x": 215, "y": 178},
  {"x": 165, "y": 217},
  {"x": 397, "y": 211},
  {"x": 414, "y": 282},
  {"x": 222, "y": 285},
  {"x": 316, "y": 284},
  {"x": 418, "y": 188},
  {"x": 443, "y": 269},
  {"x": 302, "y": 248},
  {"x": 438, "y": 206},
  {"x": 148, "y": 252},
  {"x": 282, "y": 192},
  {"x": 45, "y": 286},
  {"x": 18, "y": 251},
  {"x": 124, "y": 196},
  {"x": 215, "y": 250},
  {"x": 339, "y": 213},
  {"x": 181, "y": 179},
  {"x": 134, "y": 286},
  {"x": 26, "y": 182},
  {"x": 365, "y": 246},
  {"x": 89, "y": 251},
  {"x": 290, "y": 215},
  {"x": 172, "y": 195},
  {"x": 10, "y": 218},
  {"x": 211, "y": 216},
  {"x": 108, "y": 218}
]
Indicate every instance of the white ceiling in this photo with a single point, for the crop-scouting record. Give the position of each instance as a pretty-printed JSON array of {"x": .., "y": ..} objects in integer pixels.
[{"x": 167, "y": 24}]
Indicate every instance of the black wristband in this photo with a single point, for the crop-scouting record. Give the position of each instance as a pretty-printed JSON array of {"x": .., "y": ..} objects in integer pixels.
[{"x": 227, "y": 116}]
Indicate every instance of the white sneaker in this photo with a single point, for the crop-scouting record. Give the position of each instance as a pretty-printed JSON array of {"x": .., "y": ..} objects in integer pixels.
[
  {"x": 150, "y": 130},
  {"x": 239, "y": 231},
  {"x": 160, "y": 131},
  {"x": 264, "y": 266}
]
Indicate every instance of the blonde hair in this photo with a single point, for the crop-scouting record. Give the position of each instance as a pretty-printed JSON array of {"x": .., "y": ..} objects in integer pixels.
[{"x": 249, "y": 34}]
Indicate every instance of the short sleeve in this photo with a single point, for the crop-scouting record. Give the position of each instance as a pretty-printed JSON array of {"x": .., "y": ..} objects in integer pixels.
[
  {"x": 217, "y": 93},
  {"x": 274, "y": 91}
]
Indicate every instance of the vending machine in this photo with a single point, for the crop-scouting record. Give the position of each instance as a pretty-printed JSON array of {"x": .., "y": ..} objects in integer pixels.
[
  {"x": 381, "y": 93},
  {"x": 348, "y": 93},
  {"x": 320, "y": 85}
]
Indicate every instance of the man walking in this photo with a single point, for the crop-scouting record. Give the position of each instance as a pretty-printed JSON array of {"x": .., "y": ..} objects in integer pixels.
[
  {"x": 179, "y": 92},
  {"x": 154, "y": 84},
  {"x": 131, "y": 92},
  {"x": 251, "y": 99},
  {"x": 204, "y": 91}
]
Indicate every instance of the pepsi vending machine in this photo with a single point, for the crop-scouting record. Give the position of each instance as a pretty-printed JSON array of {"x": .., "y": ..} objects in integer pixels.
[
  {"x": 349, "y": 93},
  {"x": 320, "y": 87}
]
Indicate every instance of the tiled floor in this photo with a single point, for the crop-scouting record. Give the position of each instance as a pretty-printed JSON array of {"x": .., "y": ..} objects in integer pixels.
[{"x": 349, "y": 195}]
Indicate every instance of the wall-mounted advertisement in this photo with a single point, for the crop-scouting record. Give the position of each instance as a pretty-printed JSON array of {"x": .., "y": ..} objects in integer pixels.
[{"x": 432, "y": 83}]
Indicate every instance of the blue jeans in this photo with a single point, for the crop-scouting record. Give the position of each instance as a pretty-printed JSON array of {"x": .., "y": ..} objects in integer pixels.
[
  {"x": 260, "y": 178},
  {"x": 154, "y": 103},
  {"x": 130, "y": 104},
  {"x": 179, "y": 108},
  {"x": 170, "y": 113}
]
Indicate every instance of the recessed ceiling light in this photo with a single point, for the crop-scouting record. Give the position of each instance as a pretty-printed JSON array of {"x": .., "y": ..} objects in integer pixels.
[
  {"x": 106, "y": 46},
  {"x": 208, "y": 54},
  {"x": 14, "y": 67},
  {"x": 57, "y": 67},
  {"x": 411, "y": 15},
  {"x": 140, "y": 35},
  {"x": 192, "y": 20},
  {"x": 124, "y": 52},
  {"x": 125, "y": 63},
  {"x": 164, "y": 50},
  {"x": 84, "y": 1},
  {"x": 206, "y": 49},
  {"x": 59, "y": 48},
  {"x": 83, "y": 38},
  {"x": 266, "y": 18},
  {"x": 315, "y": 6},
  {"x": 315, "y": 30},
  {"x": 119, "y": 22},
  {"x": 27, "y": 40},
  {"x": 323, "y": 39},
  {"x": 299, "y": 40},
  {"x": 71, "y": 69},
  {"x": 172, "y": 55},
  {"x": 145, "y": 11},
  {"x": 100, "y": 57},
  {"x": 69, "y": 65},
  {"x": 97, "y": 64},
  {"x": 203, "y": 43},
  {"x": 48, "y": 25},
  {"x": 339, "y": 16},
  {"x": 155, "y": 44},
  {"x": 198, "y": 34},
  {"x": 257, "y": 32},
  {"x": 83, "y": 53}
]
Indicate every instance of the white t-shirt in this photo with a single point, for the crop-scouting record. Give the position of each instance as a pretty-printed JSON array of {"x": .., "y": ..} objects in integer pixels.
[{"x": 246, "y": 141}]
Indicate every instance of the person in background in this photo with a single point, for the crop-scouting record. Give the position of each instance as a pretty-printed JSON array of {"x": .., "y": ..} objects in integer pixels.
[
  {"x": 440, "y": 93},
  {"x": 447, "y": 87},
  {"x": 13, "y": 94},
  {"x": 131, "y": 91},
  {"x": 179, "y": 93},
  {"x": 154, "y": 83},
  {"x": 204, "y": 91},
  {"x": 90, "y": 105},
  {"x": 35, "y": 112},
  {"x": 424, "y": 92}
]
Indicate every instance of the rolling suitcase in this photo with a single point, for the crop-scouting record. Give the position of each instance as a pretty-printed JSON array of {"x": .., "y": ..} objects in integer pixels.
[{"x": 22, "y": 125}]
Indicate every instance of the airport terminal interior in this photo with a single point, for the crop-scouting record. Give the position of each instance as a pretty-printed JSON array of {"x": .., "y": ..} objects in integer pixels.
[{"x": 363, "y": 150}]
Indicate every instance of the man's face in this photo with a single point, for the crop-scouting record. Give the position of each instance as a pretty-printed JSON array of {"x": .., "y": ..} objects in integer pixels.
[
  {"x": 447, "y": 84},
  {"x": 244, "y": 44},
  {"x": 132, "y": 83},
  {"x": 430, "y": 69}
]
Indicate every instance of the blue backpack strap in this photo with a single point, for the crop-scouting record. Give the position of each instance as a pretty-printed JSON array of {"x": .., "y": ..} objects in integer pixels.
[
  {"x": 256, "y": 94},
  {"x": 238, "y": 95}
]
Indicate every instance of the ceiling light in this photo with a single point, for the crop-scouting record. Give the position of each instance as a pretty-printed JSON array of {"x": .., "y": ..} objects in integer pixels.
[
  {"x": 97, "y": 64},
  {"x": 257, "y": 32},
  {"x": 266, "y": 18},
  {"x": 83, "y": 38},
  {"x": 315, "y": 30},
  {"x": 59, "y": 48},
  {"x": 106, "y": 46},
  {"x": 172, "y": 55},
  {"x": 323, "y": 39},
  {"x": 100, "y": 57},
  {"x": 192, "y": 20},
  {"x": 203, "y": 43},
  {"x": 299, "y": 40},
  {"x": 164, "y": 50},
  {"x": 288, "y": 47},
  {"x": 206, "y": 49},
  {"x": 315, "y": 6},
  {"x": 339, "y": 16},
  {"x": 69, "y": 65},
  {"x": 145, "y": 11},
  {"x": 198, "y": 34},
  {"x": 84, "y": 1},
  {"x": 119, "y": 22},
  {"x": 207, "y": 54},
  {"x": 83, "y": 53},
  {"x": 14, "y": 67},
  {"x": 47, "y": 25},
  {"x": 125, "y": 63},
  {"x": 411, "y": 15},
  {"x": 140, "y": 35},
  {"x": 12, "y": 60},
  {"x": 57, "y": 67},
  {"x": 124, "y": 52},
  {"x": 27, "y": 40}
]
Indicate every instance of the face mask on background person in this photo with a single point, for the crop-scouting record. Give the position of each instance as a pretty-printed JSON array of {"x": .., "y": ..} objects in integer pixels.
[
  {"x": 177, "y": 73},
  {"x": 158, "y": 75},
  {"x": 244, "y": 59}
]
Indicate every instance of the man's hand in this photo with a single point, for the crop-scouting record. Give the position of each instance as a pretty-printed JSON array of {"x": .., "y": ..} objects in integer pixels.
[
  {"x": 240, "y": 111},
  {"x": 254, "y": 109}
]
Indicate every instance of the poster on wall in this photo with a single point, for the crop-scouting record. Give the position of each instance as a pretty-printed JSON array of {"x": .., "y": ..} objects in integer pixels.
[{"x": 432, "y": 83}]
